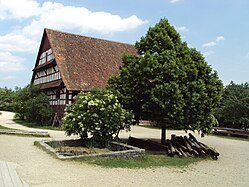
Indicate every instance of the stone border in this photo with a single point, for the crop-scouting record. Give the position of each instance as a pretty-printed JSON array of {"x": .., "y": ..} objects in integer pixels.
[
  {"x": 129, "y": 152},
  {"x": 24, "y": 133}
]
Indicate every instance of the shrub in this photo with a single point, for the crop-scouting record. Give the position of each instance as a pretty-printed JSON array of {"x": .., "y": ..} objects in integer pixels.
[
  {"x": 32, "y": 105},
  {"x": 6, "y": 99},
  {"x": 98, "y": 114}
]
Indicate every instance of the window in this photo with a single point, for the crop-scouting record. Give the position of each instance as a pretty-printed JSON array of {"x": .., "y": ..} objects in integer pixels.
[{"x": 46, "y": 56}]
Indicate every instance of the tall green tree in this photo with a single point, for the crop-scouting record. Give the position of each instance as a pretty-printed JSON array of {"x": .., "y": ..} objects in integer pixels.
[
  {"x": 234, "y": 109},
  {"x": 168, "y": 82}
]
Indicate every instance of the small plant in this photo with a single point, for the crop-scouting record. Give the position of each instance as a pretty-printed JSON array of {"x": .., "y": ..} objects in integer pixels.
[{"x": 97, "y": 113}]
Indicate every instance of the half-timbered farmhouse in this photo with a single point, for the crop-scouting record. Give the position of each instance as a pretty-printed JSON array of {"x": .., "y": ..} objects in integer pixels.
[{"x": 68, "y": 63}]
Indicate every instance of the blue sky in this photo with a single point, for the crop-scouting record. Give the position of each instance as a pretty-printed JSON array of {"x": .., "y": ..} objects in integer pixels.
[{"x": 218, "y": 29}]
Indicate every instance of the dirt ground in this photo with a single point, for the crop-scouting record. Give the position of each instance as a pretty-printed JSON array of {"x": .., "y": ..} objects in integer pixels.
[{"x": 37, "y": 168}]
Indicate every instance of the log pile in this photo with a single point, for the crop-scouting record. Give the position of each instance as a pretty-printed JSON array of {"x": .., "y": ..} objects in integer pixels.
[
  {"x": 184, "y": 146},
  {"x": 181, "y": 146}
]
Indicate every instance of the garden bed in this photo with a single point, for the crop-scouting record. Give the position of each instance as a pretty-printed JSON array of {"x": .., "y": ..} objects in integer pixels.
[{"x": 68, "y": 149}]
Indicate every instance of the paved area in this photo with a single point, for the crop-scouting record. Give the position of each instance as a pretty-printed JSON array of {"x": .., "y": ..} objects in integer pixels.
[
  {"x": 37, "y": 168},
  {"x": 8, "y": 175}
]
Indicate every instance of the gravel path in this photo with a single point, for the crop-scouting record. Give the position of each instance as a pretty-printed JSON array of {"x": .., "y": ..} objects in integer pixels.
[{"x": 37, "y": 168}]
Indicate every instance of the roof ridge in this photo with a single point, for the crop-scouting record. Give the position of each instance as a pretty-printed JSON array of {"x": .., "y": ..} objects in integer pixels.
[{"x": 90, "y": 37}]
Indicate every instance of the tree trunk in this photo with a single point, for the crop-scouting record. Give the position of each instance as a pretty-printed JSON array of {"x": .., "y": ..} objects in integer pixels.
[{"x": 163, "y": 134}]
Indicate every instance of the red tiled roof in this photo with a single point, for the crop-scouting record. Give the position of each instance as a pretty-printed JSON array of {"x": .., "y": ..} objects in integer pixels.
[{"x": 86, "y": 62}]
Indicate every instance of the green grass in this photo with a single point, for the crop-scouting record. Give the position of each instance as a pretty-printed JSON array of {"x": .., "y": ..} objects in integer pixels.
[
  {"x": 5, "y": 128},
  {"x": 148, "y": 161},
  {"x": 34, "y": 125}
]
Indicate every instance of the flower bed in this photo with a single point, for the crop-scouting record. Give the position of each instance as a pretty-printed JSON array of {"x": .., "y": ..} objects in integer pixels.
[{"x": 68, "y": 149}]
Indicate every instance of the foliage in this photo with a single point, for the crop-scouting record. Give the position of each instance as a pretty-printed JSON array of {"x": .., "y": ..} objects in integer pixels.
[
  {"x": 97, "y": 113},
  {"x": 169, "y": 83},
  {"x": 234, "y": 109},
  {"x": 6, "y": 99},
  {"x": 32, "y": 105}
]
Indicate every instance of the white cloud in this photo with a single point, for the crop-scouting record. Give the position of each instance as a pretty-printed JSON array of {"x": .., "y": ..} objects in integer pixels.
[
  {"x": 56, "y": 16},
  {"x": 182, "y": 29},
  {"x": 33, "y": 17},
  {"x": 174, "y": 1},
  {"x": 10, "y": 63},
  {"x": 18, "y": 9},
  {"x": 17, "y": 42},
  {"x": 59, "y": 16},
  {"x": 209, "y": 44},
  {"x": 215, "y": 42},
  {"x": 220, "y": 38}
]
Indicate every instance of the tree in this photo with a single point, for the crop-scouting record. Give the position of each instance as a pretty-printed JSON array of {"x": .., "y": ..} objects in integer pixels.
[
  {"x": 234, "y": 109},
  {"x": 6, "y": 99},
  {"x": 32, "y": 105},
  {"x": 97, "y": 113},
  {"x": 169, "y": 83}
]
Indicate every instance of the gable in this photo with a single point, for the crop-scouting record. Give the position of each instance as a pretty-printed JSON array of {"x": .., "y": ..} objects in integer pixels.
[
  {"x": 82, "y": 62},
  {"x": 86, "y": 62}
]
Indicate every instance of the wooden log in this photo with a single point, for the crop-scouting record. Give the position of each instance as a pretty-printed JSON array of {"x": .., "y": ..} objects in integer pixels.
[
  {"x": 192, "y": 146},
  {"x": 196, "y": 147},
  {"x": 209, "y": 152},
  {"x": 171, "y": 147},
  {"x": 183, "y": 153},
  {"x": 178, "y": 152},
  {"x": 213, "y": 153},
  {"x": 191, "y": 136},
  {"x": 185, "y": 143},
  {"x": 175, "y": 141}
]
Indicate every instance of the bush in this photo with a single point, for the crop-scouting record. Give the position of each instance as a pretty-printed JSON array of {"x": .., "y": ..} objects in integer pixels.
[
  {"x": 97, "y": 113},
  {"x": 32, "y": 105},
  {"x": 6, "y": 99}
]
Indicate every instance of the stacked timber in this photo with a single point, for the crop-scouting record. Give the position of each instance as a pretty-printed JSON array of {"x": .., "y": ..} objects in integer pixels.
[
  {"x": 189, "y": 147},
  {"x": 181, "y": 146}
]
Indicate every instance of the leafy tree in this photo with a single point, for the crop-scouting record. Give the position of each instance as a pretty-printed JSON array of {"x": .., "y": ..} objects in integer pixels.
[
  {"x": 6, "y": 99},
  {"x": 169, "y": 83},
  {"x": 234, "y": 109},
  {"x": 97, "y": 113},
  {"x": 32, "y": 104}
]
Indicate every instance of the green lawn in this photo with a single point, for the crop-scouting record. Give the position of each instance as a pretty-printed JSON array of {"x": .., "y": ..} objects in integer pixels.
[
  {"x": 34, "y": 125},
  {"x": 4, "y": 128},
  {"x": 149, "y": 160}
]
